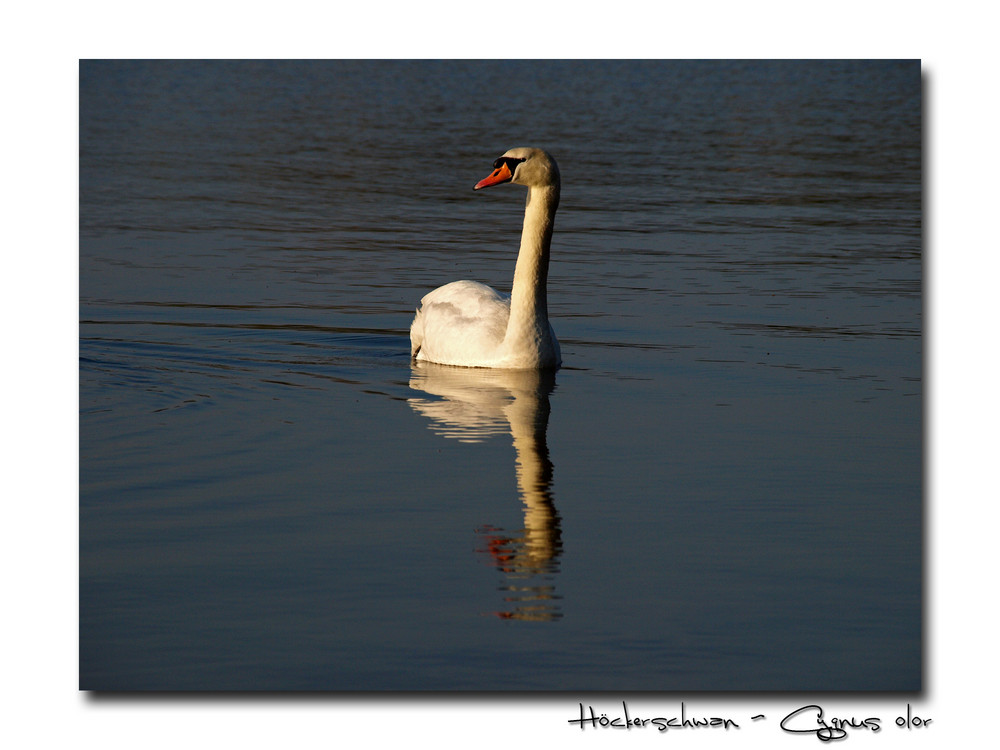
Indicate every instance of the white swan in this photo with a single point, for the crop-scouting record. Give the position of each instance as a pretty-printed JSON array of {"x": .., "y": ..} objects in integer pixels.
[{"x": 469, "y": 324}]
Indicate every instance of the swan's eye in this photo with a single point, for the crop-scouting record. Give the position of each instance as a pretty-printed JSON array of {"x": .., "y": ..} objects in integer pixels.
[{"x": 510, "y": 162}]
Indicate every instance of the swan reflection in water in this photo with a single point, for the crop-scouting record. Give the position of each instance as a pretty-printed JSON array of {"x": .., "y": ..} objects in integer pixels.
[{"x": 472, "y": 405}]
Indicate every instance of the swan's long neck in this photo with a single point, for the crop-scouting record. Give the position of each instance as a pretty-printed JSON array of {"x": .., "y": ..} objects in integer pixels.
[{"x": 528, "y": 301}]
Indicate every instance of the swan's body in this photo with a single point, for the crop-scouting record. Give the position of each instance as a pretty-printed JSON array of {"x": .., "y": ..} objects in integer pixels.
[{"x": 469, "y": 324}]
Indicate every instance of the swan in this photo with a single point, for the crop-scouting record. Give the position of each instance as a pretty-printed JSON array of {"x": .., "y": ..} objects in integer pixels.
[{"x": 469, "y": 324}]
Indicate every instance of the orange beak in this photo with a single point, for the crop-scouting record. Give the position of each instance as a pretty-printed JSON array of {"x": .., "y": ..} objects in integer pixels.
[{"x": 500, "y": 175}]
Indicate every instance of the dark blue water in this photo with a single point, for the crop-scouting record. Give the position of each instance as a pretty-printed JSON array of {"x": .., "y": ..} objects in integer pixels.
[{"x": 720, "y": 490}]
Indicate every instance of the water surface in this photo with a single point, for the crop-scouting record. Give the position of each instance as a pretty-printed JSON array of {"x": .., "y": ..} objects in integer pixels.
[{"x": 720, "y": 490}]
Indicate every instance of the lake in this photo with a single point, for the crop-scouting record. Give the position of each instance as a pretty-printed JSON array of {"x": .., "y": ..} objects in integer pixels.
[{"x": 721, "y": 489}]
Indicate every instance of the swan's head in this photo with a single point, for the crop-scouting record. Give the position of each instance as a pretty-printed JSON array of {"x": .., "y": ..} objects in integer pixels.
[{"x": 523, "y": 166}]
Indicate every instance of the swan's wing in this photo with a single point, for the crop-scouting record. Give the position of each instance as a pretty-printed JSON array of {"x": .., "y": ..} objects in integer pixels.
[
  {"x": 468, "y": 299},
  {"x": 459, "y": 320}
]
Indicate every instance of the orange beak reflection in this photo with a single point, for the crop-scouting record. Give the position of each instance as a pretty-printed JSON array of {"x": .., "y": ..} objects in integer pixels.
[{"x": 500, "y": 175}]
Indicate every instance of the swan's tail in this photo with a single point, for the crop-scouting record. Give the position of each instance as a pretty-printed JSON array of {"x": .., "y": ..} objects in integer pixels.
[{"x": 416, "y": 334}]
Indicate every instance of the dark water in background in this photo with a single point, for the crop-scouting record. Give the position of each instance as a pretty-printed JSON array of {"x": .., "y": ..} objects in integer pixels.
[{"x": 720, "y": 490}]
